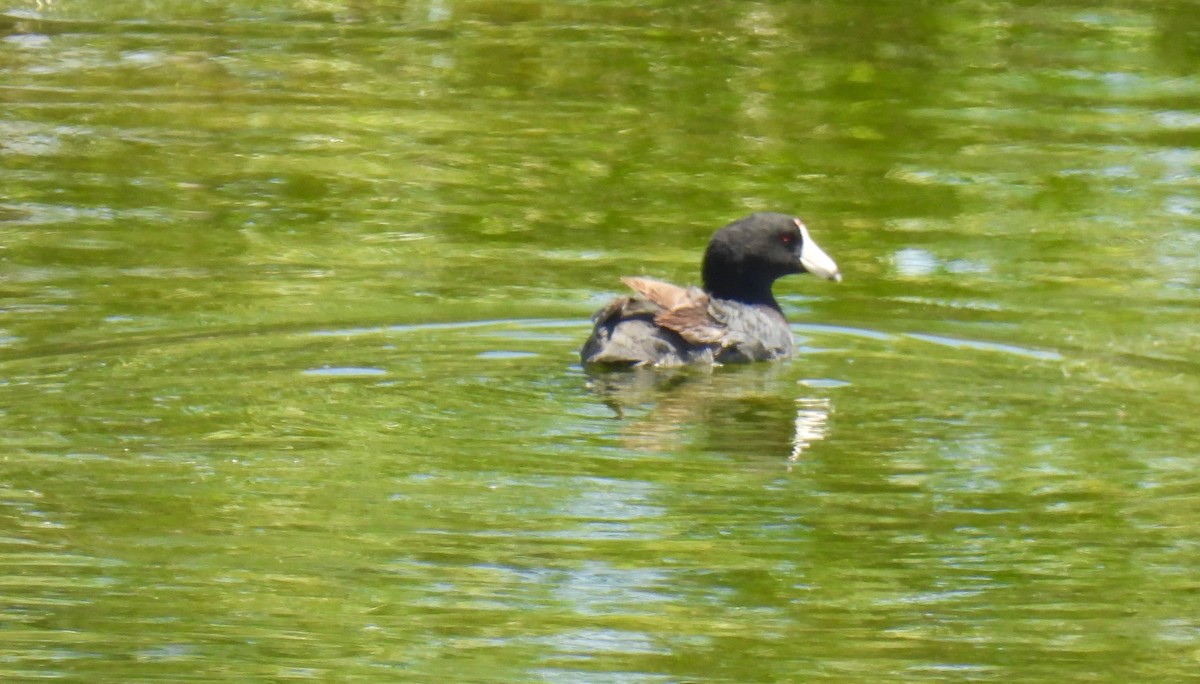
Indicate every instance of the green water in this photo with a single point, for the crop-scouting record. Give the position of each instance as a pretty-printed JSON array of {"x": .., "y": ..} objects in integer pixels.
[{"x": 291, "y": 293}]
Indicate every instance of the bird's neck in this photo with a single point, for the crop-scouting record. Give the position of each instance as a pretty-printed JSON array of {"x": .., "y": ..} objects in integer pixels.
[{"x": 728, "y": 281}]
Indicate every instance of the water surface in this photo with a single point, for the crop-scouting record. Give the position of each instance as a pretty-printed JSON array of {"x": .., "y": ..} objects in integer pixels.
[{"x": 290, "y": 297}]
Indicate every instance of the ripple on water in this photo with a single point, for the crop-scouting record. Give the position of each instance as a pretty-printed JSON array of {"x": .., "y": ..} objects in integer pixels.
[
  {"x": 471, "y": 467},
  {"x": 345, "y": 372}
]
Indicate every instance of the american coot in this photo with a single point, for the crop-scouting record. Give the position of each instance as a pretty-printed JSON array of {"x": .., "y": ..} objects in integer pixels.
[{"x": 733, "y": 319}]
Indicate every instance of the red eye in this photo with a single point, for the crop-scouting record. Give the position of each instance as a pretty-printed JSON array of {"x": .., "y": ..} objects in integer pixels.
[{"x": 788, "y": 239}]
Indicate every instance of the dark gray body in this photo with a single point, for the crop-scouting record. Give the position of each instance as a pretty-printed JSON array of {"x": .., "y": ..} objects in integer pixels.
[{"x": 626, "y": 334}]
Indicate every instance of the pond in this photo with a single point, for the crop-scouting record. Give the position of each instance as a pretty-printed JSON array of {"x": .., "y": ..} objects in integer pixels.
[{"x": 291, "y": 295}]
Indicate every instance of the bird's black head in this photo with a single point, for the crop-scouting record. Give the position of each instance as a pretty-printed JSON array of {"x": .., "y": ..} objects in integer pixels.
[{"x": 744, "y": 258}]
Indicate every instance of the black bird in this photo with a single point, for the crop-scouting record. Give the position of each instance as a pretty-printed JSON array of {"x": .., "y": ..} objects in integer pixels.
[{"x": 735, "y": 318}]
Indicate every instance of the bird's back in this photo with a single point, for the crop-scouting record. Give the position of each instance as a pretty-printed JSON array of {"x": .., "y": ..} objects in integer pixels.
[
  {"x": 625, "y": 334},
  {"x": 667, "y": 325}
]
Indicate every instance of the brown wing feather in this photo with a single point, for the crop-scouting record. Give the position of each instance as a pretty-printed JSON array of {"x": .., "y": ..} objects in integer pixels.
[
  {"x": 668, "y": 296},
  {"x": 684, "y": 310}
]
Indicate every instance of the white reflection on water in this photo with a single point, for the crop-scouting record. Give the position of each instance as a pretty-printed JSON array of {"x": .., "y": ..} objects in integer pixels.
[
  {"x": 812, "y": 415},
  {"x": 914, "y": 262}
]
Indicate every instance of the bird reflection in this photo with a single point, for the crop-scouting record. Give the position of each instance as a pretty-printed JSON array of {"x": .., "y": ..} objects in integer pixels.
[{"x": 744, "y": 411}]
